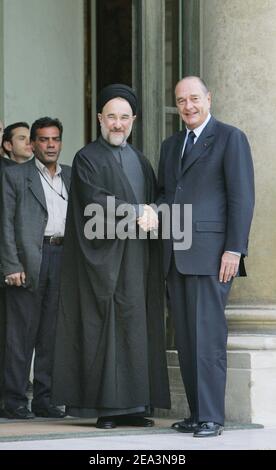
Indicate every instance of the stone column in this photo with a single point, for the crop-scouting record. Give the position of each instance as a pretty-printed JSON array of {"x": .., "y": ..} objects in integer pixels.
[
  {"x": 238, "y": 62},
  {"x": 149, "y": 75}
]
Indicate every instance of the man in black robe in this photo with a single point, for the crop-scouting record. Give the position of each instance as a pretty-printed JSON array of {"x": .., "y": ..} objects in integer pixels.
[{"x": 110, "y": 358}]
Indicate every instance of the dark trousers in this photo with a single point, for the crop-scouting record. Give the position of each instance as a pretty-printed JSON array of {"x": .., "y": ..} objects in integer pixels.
[
  {"x": 31, "y": 324},
  {"x": 197, "y": 306},
  {"x": 2, "y": 339}
]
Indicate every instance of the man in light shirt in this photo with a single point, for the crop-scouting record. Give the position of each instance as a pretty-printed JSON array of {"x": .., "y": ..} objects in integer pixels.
[
  {"x": 207, "y": 166},
  {"x": 33, "y": 204}
]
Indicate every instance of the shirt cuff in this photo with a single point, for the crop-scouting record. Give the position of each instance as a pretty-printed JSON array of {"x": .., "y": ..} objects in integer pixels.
[{"x": 233, "y": 252}]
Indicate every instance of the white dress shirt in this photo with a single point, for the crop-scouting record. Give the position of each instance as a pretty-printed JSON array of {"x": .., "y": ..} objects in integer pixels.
[
  {"x": 197, "y": 131},
  {"x": 56, "y": 199}
]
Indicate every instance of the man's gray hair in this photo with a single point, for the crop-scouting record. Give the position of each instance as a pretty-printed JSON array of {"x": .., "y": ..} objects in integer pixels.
[{"x": 200, "y": 80}]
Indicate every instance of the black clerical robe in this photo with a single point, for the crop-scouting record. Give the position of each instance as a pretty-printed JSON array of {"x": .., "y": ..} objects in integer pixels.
[{"x": 110, "y": 347}]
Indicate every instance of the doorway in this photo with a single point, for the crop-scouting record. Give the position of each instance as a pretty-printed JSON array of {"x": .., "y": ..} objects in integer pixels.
[
  {"x": 114, "y": 42},
  {"x": 108, "y": 52}
]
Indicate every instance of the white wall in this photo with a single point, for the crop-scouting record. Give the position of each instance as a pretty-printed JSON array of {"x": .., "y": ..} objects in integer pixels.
[{"x": 43, "y": 43}]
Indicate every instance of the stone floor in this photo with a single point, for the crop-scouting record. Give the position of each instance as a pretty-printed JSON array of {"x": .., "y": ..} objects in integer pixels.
[{"x": 73, "y": 434}]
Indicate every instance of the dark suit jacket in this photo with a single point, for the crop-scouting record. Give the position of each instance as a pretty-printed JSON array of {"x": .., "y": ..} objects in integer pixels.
[
  {"x": 218, "y": 180},
  {"x": 4, "y": 163},
  {"x": 24, "y": 218}
]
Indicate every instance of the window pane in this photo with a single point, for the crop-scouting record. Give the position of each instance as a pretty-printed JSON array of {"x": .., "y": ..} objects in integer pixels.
[{"x": 172, "y": 124}]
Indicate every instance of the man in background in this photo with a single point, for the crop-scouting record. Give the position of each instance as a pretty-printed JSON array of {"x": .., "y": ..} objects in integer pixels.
[
  {"x": 4, "y": 162},
  {"x": 16, "y": 142},
  {"x": 33, "y": 204}
]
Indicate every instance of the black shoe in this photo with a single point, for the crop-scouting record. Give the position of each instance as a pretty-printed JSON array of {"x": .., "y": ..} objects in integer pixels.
[
  {"x": 106, "y": 422},
  {"x": 130, "y": 420},
  {"x": 208, "y": 429},
  {"x": 50, "y": 412},
  {"x": 187, "y": 425},
  {"x": 21, "y": 412}
]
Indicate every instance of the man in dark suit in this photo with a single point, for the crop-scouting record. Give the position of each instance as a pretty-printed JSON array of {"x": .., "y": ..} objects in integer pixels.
[
  {"x": 2, "y": 292},
  {"x": 4, "y": 162},
  {"x": 15, "y": 142},
  {"x": 208, "y": 166},
  {"x": 33, "y": 204}
]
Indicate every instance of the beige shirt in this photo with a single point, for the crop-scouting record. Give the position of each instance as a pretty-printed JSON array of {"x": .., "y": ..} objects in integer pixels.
[{"x": 56, "y": 199}]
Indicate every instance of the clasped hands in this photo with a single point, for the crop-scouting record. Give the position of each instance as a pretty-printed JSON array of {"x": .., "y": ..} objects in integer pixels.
[{"x": 149, "y": 220}]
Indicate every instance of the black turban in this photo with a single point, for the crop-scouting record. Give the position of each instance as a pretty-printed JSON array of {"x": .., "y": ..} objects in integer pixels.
[{"x": 117, "y": 90}]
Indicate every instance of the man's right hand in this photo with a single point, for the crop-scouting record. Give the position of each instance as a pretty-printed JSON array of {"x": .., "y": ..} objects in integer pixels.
[
  {"x": 149, "y": 219},
  {"x": 15, "y": 279}
]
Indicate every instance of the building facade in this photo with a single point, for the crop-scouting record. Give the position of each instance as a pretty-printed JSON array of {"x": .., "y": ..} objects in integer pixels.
[{"x": 56, "y": 54}]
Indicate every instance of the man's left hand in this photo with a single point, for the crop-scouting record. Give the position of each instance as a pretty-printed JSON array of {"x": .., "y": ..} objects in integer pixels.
[{"x": 229, "y": 266}]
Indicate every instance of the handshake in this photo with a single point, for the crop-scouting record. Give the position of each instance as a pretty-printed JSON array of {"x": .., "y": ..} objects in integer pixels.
[{"x": 149, "y": 220}]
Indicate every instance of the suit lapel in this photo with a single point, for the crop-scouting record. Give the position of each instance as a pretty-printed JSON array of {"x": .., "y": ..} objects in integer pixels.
[
  {"x": 201, "y": 146},
  {"x": 35, "y": 185},
  {"x": 176, "y": 152}
]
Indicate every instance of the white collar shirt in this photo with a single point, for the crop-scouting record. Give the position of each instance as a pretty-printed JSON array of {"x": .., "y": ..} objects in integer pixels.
[
  {"x": 56, "y": 199},
  {"x": 197, "y": 131}
]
